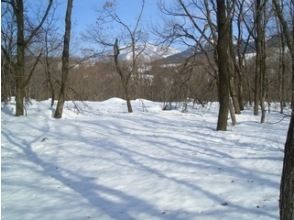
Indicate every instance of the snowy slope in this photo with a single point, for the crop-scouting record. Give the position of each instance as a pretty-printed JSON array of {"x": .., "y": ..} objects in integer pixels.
[
  {"x": 150, "y": 52},
  {"x": 107, "y": 164}
]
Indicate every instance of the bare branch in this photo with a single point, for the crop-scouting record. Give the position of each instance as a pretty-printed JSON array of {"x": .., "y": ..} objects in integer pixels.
[
  {"x": 34, "y": 32},
  {"x": 26, "y": 82}
]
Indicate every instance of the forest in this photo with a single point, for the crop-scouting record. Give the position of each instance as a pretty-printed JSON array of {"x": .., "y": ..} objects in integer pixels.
[{"x": 154, "y": 109}]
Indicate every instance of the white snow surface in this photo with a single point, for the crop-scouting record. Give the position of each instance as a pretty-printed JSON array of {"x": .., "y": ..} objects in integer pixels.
[
  {"x": 148, "y": 52},
  {"x": 104, "y": 163}
]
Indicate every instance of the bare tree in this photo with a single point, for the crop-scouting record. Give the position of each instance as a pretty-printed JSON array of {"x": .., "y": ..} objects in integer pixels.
[
  {"x": 22, "y": 43},
  {"x": 286, "y": 31},
  {"x": 65, "y": 61},
  {"x": 282, "y": 68},
  {"x": 223, "y": 47},
  {"x": 51, "y": 43},
  {"x": 260, "y": 83},
  {"x": 131, "y": 36}
]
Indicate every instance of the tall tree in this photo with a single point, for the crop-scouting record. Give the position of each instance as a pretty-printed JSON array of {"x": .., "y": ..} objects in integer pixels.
[
  {"x": 282, "y": 69},
  {"x": 223, "y": 48},
  {"x": 288, "y": 33},
  {"x": 287, "y": 181},
  {"x": 52, "y": 42},
  {"x": 21, "y": 81},
  {"x": 65, "y": 61},
  {"x": 260, "y": 58}
]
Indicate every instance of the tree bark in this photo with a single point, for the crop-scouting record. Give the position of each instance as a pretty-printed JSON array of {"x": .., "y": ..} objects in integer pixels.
[
  {"x": 287, "y": 180},
  {"x": 232, "y": 72},
  {"x": 130, "y": 109},
  {"x": 282, "y": 66},
  {"x": 19, "y": 70},
  {"x": 223, "y": 51},
  {"x": 261, "y": 53},
  {"x": 232, "y": 112},
  {"x": 286, "y": 31},
  {"x": 65, "y": 61}
]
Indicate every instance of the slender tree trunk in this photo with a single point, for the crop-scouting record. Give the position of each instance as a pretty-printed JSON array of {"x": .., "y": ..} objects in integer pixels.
[
  {"x": 286, "y": 31},
  {"x": 256, "y": 91},
  {"x": 223, "y": 64},
  {"x": 262, "y": 74},
  {"x": 48, "y": 71},
  {"x": 240, "y": 88},
  {"x": 127, "y": 96},
  {"x": 51, "y": 87},
  {"x": 287, "y": 180},
  {"x": 240, "y": 63},
  {"x": 124, "y": 78},
  {"x": 232, "y": 72},
  {"x": 282, "y": 74},
  {"x": 257, "y": 82},
  {"x": 249, "y": 90},
  {"x": 19, "y": 73},
  {"x": 232, "y": 112},
  {"x": 65, "y": 61}
]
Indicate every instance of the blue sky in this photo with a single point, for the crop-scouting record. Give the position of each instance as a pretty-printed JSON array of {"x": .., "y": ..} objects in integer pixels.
[{"x": 85, "y": 13}]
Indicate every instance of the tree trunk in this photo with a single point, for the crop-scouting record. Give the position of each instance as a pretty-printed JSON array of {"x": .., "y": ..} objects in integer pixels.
[
  {"x": 256, "y": 91},
  {"x": 287, "y": 180},
  {"x": 249, "y": 90},
  {"x": 124, "y": 78},
  {"x": 223, "y": 64},
  {"x": 22, "y": 43},
  {"x": 232, "y": 72},
  {"x": 286, "y": 31},
  {"x": 292, "y": 97},
  {"x": 262, "y": 56},
  {"x": 232, "y": 113},
  {"x": 127, "y": 96},
  {"x": 240, "y": 88},
  {"x": 282, "y": 74},
  {"x": 48, "y": 71},
  {"x": 19, "y": 73},
  {"x": 65, "y": 61},
  {"x": 241, "y": 60}
]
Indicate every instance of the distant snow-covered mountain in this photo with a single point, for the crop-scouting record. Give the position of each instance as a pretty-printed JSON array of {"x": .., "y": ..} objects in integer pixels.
[{"x": 148, "y": 52}]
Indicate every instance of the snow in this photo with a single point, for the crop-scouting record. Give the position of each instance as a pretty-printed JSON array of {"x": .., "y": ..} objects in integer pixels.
[
  {"x": 104, "y": 163},
  {"x": 148, "y": 52},
  {"x": 249, "y": 56}
]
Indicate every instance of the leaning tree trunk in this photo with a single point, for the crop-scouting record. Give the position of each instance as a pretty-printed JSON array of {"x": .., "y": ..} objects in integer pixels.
[
  {"x": 232, "y": 112},
  {"x": 223, "y": 64},
  {"x": 287, "y": 181},
  {"x": 65, "y": 61}
]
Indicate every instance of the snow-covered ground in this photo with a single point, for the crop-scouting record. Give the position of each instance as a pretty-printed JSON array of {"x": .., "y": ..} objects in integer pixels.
[{"x": 104, "y": 163}]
